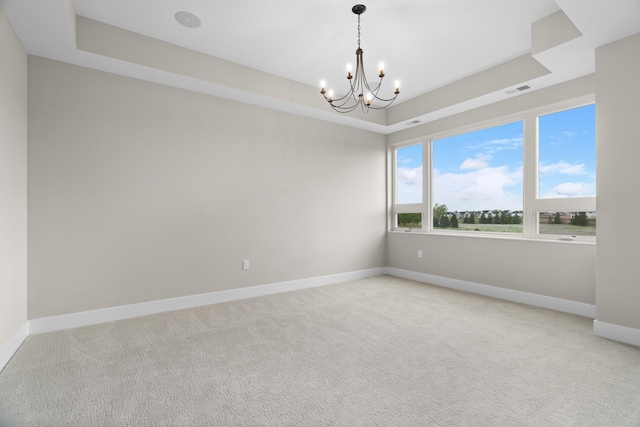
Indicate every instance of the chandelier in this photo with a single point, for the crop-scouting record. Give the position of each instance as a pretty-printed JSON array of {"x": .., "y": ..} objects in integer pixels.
[{"x": 361, "y": 92}]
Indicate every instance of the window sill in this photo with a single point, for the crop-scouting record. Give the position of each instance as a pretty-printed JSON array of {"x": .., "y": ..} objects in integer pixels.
[{"x": 498, "y": 236}]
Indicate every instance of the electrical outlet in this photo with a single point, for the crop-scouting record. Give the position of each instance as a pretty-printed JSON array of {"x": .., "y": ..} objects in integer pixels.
[
  {"x": 245, "y": 264},
  {"x": 419, "y": 253}
]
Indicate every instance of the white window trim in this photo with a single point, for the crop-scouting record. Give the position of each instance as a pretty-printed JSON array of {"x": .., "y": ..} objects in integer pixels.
[
  {"x": 532, "y": 205},
  {"x": 407, "y": 207}
]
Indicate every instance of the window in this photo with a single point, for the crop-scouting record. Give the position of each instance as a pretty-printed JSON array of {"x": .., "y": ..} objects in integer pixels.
[
  {"x": 409, "y": 172},
  {"x": 410, "y": 220},
  {"x": 567, "y": 153},
  {"x": 565, "y": 192},
  {"x": 532, "y": 176},
  {"x": 477, "y": 180},
  {"x": 408, "y": 190},
  {"x": 568, "y": 224}
]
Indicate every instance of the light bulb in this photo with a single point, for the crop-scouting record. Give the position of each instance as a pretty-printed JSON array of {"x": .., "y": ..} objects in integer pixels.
[
  {"x": 349, "y": 69},
  {"x": 381, "y": 67},
  {"x": 369, "y": 98},
  {"x": 330, "y": 94},
  {"x": 397, "y": 91},
  {"x": 323, "y": 84}
]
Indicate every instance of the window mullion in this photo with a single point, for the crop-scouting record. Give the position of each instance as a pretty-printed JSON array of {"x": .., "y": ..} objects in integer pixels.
[
  {"x": 427, "y": 187},
  {"x": 530, "y": 174}
]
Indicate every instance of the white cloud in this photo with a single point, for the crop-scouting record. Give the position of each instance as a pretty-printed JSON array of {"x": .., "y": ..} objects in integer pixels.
[
  {"x": 571, "y": 189},
  {"x": 563, "y": 138},
  {"x": 473, "y": 164},
  {"x": 495, "y": 145},
  {"x": 487, "y": 188},
  {"x": 563, "y": 168},
  {"x": 480, "y": 162},
  {"x": 409, "y": 184},
  {"x": 410, "y": 176}
]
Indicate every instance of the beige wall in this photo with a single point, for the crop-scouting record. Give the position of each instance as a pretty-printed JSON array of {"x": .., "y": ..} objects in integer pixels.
[
  {"x": 140, "y": 192},
  {"x": 573, "y": 89},
  {"x": 555, "y": 269},
  {"x": 617, "y": 95},
  {"x": 547, "y": 268},
  {"x": 13, "y": 183}
]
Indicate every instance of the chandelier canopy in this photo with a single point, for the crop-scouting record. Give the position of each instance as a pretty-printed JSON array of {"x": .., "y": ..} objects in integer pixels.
[{"x": 361, "y": 92}]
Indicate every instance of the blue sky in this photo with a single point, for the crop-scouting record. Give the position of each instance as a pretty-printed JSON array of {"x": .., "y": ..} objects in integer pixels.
[
  {"x": 483, "y": 169},
  {"x": 568, "y": 153},
  {"x": 409, "y": 171}
]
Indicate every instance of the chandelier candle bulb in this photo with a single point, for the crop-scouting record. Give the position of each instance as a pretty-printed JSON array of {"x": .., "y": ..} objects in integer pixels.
[
  {"x": 359, "y": 85},
  {"x": 322, "y": 87}
]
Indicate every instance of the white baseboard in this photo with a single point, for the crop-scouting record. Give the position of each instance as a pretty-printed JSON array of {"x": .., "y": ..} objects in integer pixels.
[
  {"x": 9, "y": 349},
  {"x": 616, "y": 332},
  {"x": 552, "y": 303},
  {"x": 75, "y": 320},
  {"x": 85, "y": 318}
]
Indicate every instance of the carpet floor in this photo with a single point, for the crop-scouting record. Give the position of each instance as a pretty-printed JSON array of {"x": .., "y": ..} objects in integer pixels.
[{"x": 381, "y": 351}]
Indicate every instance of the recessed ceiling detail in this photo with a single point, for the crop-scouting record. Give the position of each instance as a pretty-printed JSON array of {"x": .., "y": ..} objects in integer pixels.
[
  {"x": 188, "y": 19},
  {"x": 477, "y": 50}
]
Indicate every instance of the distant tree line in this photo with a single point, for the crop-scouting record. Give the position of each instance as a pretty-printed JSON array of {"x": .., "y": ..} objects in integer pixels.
[
  {"x": 409, "y": 220},
  {"x": 496, "y": 217},
  {"x": 577, "y": 218},
  {"x": 442, "y": 218}
]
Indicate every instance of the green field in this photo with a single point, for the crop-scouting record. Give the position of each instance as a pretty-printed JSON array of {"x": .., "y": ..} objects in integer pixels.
[
  {"x": 502, "y": 228},
  {"x": 413, "y": 220},
  {"x": 562, "y": 229},
  {"x": 568, "y": 229}
]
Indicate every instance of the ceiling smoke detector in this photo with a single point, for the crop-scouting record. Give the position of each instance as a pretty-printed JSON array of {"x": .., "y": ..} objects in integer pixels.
[{"x": 188, "y": 19}]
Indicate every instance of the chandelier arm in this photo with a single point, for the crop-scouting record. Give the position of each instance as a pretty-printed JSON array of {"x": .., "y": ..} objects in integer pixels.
[
  {"x": 341, "y": 109},
  {"x": 347, "y": 110},
  {"x": 376, "y": 89},
  {"x": 342, "y": 105},
  {"x": 382, "y": 107},
  {"x": 384, "y": 99},
  {"x": 338, "y": 105},
  {"x": 338, "y": 100},
  {"x": 351, "y": 96}
]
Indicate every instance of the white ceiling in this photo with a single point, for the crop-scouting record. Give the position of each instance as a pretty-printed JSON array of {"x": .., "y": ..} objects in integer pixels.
[
  {"x": 423, "y": 43},
  {"x": 426, "y": 44}
]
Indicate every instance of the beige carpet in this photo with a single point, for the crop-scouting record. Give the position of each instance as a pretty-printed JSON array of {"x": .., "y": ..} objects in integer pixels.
[{"x": 376, "y": 352}]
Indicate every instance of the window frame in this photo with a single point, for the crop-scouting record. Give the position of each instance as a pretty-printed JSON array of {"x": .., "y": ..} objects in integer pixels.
[
  {"x": 399, "y": 208},
  {"x": 532, "y": 204}
]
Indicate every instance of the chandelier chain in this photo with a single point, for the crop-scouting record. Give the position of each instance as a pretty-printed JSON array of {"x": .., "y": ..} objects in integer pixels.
[{"x": 358, "y": 31}]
